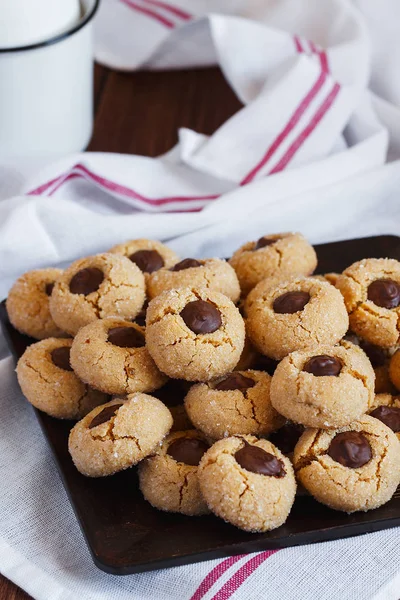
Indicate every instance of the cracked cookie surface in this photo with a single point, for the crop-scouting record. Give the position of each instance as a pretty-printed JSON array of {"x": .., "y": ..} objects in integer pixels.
[
  {"x": 28, "y": 304},
  {"x": 110, "y": 355},
  {"x": 247, "y": 499},
  {"x": 181, "y": 353},
  {"x": 220, "y": 413},
  {"x": 172, "y": 485},
  {"x": 372, "y": 297},
  {"x": 324, "y": 399},
  {"x": 118, "y": 434},
  {"x": 297, "y": 314},
  {"x": 97, "y": 287},
  {"x": 213, "y": 274},
  {"x": 54, "y": 388},
  {"x": 279, "y": 256},
  {"x": 345, "y": 488}
]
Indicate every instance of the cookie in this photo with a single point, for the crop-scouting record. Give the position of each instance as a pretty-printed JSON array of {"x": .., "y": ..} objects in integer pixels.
[
  {"x": 195, "y": 335},
  {"x": 94, "y": 288},
  {"x": 111, "y": 356},
  {"x": 28, "y": 304},
  {"x": 327, "y": 387},
  {"x": 168, "y": 478},
  {"x": 247, "y": 482},
  {"x": 371, "y": 291},
  {"x": 350, "y": 469},
  {"x": 49, "y": 383},
  {"x": 331, "y": 277},
  {"x": 281, "y": 255},
  {"x": 294, "y": 315},
  {"x": 238, "y": 403},
  {"x": 148, "y": 255},
  {"x": 386, "y": 408},
  {"x": 119, "y": 434},
  {"x": 212, "y": 274},
  {"x": 394, "y": 369}
]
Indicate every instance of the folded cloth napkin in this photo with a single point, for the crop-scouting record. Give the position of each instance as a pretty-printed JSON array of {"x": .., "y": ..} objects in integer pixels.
[{"x": 305, "y": 153}]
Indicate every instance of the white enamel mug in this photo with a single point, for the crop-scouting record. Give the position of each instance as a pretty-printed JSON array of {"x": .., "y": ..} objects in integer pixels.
[{"x": 46, "y": 92}]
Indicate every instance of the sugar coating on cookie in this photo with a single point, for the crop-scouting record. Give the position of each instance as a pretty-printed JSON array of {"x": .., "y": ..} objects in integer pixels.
[
  {"x": 148, "y": 255},
  {"x": 118, "y": 434},
  {"x": 297, "y": 314},
  {"x": 212, "y": 274},
  {"x": 238, "y": 403},
  {"x": 327, "y": 387},
  {"x": 48, "y": 382},
  {"x": 386, "y": 408},
  {"x": 371, "y": 291},
  {"x": 349, "y": 469},
  {"x": 195, "y": 335},
  {"x": 279, "y": 256},
  {"x": 97, "y": 287},
  {"x": 110, "y": 355},
  {"x": 168, "y": 479},
  {"x": 28, "y": 304},
  {"x": 247, "y": 482}
]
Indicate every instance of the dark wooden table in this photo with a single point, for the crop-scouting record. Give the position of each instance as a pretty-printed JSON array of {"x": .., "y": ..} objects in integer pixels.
[{"x": 140, "y": 113}]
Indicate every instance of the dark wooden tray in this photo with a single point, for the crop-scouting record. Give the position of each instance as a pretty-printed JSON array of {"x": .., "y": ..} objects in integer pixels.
[{"x": 126, "y": 535}]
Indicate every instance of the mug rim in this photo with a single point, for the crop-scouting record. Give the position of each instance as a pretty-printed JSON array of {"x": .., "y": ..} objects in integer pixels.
[{"x": 57, "y": 38}]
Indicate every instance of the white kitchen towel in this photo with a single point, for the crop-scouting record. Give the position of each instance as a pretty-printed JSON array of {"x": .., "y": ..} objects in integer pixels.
[{"x": 305, "y": 153}]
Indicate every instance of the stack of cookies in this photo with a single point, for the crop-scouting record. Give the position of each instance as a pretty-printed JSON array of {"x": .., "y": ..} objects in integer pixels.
[{"x": 227, "y": 382}]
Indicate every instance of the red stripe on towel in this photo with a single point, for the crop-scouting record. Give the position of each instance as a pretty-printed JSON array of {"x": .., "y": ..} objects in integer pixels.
[
  {"x": 214, "y": 575},
  {"x": 307, "y": 131},
  {"x": 234, "y": 583},
  {"x": 80, "y": 170},
  {"x": 149, "y": 13},
  {"x": 290, "y": 125},
  {"x": 174, "y": 10}
]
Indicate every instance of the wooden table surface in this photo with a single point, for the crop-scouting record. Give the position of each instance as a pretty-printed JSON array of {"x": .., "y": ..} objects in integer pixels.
[{"x": 140, "y": 113}]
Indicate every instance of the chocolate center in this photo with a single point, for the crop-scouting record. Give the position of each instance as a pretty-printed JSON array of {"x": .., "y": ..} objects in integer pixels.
[
  {"x": 323, "y": 366},
  {"x": 186, "y": 263},
  {"x": 60, "y": 358},
  {"x": 291, "y": 302},
  {"x": 257, "y": 460},
  {"x": 86, "y": 281},
  {"x": 263, "y": 242},
  {"x": 287, "y": 437},
  {"x": 187, "y": 450},
  {"x": 389, "y": 415},
  {"x": 385, "y": 293},
  {"x": 351, "y": 449},
  {"x": 201, "y": 317},
  {"x": 104, "y": 415},
  {"x": 148, "y": 261},
  {"x": 126, "y": 337},
  {"x": 49, "y": 288},
  {"x": 235, "y": 381}
]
